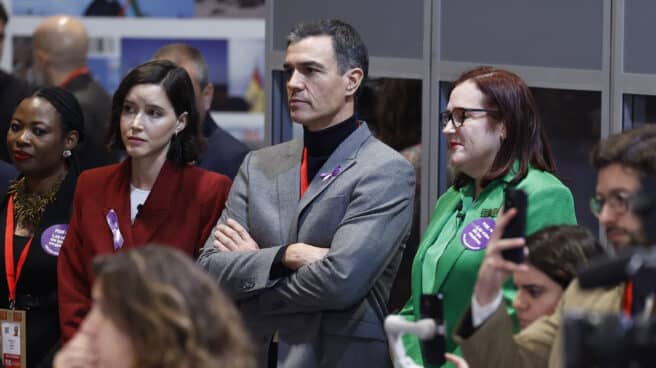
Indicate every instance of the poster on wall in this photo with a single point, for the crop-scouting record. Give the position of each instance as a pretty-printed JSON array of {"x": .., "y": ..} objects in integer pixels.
[
  {"x": 235, "y": 68},
  {"x": 143, "y": 8}
]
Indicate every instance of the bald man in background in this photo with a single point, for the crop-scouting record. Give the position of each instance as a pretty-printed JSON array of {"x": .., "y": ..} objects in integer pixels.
[
  {"x": 59, "y": 49},
  {"x": 224, "y": 153}
]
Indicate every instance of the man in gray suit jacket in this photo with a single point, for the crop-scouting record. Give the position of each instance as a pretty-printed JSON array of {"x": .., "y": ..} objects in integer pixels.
[{"x": 313, "y": 231}]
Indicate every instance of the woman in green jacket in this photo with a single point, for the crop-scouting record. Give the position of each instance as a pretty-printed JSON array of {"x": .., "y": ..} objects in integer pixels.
[{"x": 495, "y": 140}]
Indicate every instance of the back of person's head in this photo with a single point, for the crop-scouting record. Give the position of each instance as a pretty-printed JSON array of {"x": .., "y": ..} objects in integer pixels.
[
  {"x": 173, "y": 313},
  {"x": 398, "y": 113},
  {"x": 558, "y": 251},
  {"x": 350, "y": 51},
  {"x": 64, "y": 41},
  {"x": 181, "y": 53},
  {"x": 4, "y": 17},
  {"x": 635, "y": 148},
  {"x": 515, "y": 107},
  {"x": 180, "y": 92}
]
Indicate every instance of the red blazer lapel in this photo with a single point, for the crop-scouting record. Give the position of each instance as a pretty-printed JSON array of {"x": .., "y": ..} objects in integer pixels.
[{"x": 158, "y": 205}]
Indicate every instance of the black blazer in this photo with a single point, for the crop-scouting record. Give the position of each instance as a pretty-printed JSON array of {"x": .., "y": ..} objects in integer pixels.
[
  {"x": 38, "y": 278},
  {"x": 12, "y": 92},
  {"x": 96, "y": 105},
  {"x": 224, "y": 152}
]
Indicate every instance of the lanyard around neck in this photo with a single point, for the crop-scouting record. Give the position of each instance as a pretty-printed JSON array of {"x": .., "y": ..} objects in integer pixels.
[{"x": 13, "y": 273}]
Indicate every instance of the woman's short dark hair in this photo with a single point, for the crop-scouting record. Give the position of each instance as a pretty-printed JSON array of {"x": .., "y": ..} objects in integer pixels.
[
  {"x": 558, "y": 251},
  {"x": 525, "y": 139},
  {"x": 172, "y": 311},
  {"x": 186, "y": 145}
]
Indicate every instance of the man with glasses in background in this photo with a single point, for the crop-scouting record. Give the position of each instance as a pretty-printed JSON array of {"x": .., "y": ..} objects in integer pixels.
[{"x": 485, "y": 335}]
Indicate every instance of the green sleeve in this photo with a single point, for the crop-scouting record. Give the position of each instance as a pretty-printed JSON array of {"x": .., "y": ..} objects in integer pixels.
[{"x": 549, "y": 205}]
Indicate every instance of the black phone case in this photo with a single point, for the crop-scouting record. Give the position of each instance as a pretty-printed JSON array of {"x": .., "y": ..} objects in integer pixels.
[
  {"x": 516, "y": 228},
  {"x": 432, "y": 350}
]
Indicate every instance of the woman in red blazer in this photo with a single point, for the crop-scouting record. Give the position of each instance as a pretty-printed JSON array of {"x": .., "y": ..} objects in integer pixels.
[{"x": 155, "y": 196}]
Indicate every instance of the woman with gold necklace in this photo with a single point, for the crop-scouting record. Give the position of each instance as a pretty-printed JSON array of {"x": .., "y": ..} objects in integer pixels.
[{"x": 43, "y": 133}]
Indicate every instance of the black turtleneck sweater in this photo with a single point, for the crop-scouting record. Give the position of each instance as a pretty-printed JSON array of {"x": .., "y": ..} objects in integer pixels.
[{"x": 320, "y": 145}]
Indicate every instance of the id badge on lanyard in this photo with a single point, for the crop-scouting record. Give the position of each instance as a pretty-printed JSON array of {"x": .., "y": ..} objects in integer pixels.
[
  {"x": 12, "y": 321},
  {"x": 12, "y": 325}
]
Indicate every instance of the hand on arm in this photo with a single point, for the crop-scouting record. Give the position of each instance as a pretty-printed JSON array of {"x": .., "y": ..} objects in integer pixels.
[
  {"x": 301, "y": 254},
  {"x": 231, "y": 236},
  {"x": 495, "y": 269}
]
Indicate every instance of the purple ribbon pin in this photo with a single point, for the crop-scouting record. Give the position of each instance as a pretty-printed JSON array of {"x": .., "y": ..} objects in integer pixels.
[
  {"x": 327, "y": 175},
  {"x": 112, "y": 221}
]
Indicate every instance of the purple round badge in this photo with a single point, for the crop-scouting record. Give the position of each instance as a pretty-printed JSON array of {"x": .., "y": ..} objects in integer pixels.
[
  {"x": 53, "y": 238},
  {"x": 477, "y": 233}
]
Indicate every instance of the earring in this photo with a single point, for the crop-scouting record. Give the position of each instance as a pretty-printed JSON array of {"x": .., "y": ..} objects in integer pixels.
[{"x": 66, "y": 153}]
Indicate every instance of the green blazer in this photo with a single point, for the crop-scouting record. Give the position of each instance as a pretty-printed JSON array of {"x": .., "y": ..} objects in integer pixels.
[{"x": 549, "y": 203}]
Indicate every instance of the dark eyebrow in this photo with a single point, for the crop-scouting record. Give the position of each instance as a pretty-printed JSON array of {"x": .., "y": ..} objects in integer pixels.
[
  {"x": 28, "y": 123},
  {"x": 531, "y": 287},
  {"x": 154, "y": 107},
  {"x": 305, "y": 64},
  {"x": 313, "y": 64}
]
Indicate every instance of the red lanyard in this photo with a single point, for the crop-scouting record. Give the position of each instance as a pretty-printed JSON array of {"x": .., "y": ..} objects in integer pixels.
[
  {"x": 76, "y": 73},
  {"x": 304, "y": 178},
  {"x": 12, "y": 277},
  {"x": 627, "y": 302}
]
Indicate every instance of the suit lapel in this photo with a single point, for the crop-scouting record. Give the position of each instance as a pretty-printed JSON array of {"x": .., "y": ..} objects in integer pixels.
[
  {"x": 447, "y": 261},
  {"x": 446, "y": 206},
  {"x": 337, "y": 164},
  {"x": 288, "y": 190},
  {"x": 158, "y": 204},
  {"x": 454, "y": 248}
]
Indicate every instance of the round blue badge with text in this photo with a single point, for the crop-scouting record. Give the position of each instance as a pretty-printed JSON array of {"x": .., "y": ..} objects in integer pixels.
[
  {"x": 477, "y": 234},
  {"x": 53, "y": 238}
]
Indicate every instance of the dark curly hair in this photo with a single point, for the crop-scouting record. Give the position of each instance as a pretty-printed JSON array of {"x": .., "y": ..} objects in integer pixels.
[
  {"x": 186, "y": 145},
  {"x": 635, "y": 148},
  {"x": 558, "y": 251}
]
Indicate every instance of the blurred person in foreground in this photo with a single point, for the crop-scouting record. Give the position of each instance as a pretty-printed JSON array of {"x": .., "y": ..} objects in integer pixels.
[
  {"x": 154, "y": 308},
  {"x": 622, "y": 160}
]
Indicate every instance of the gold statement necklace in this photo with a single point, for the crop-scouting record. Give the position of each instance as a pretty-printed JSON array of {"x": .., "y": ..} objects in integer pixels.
[{"x": 29, "y": 207}]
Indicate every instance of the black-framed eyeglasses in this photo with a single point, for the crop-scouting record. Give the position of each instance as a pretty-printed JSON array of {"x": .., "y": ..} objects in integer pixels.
[
  {"x": 458, "y": 115},
  {"x": 618, "y": 202}
]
